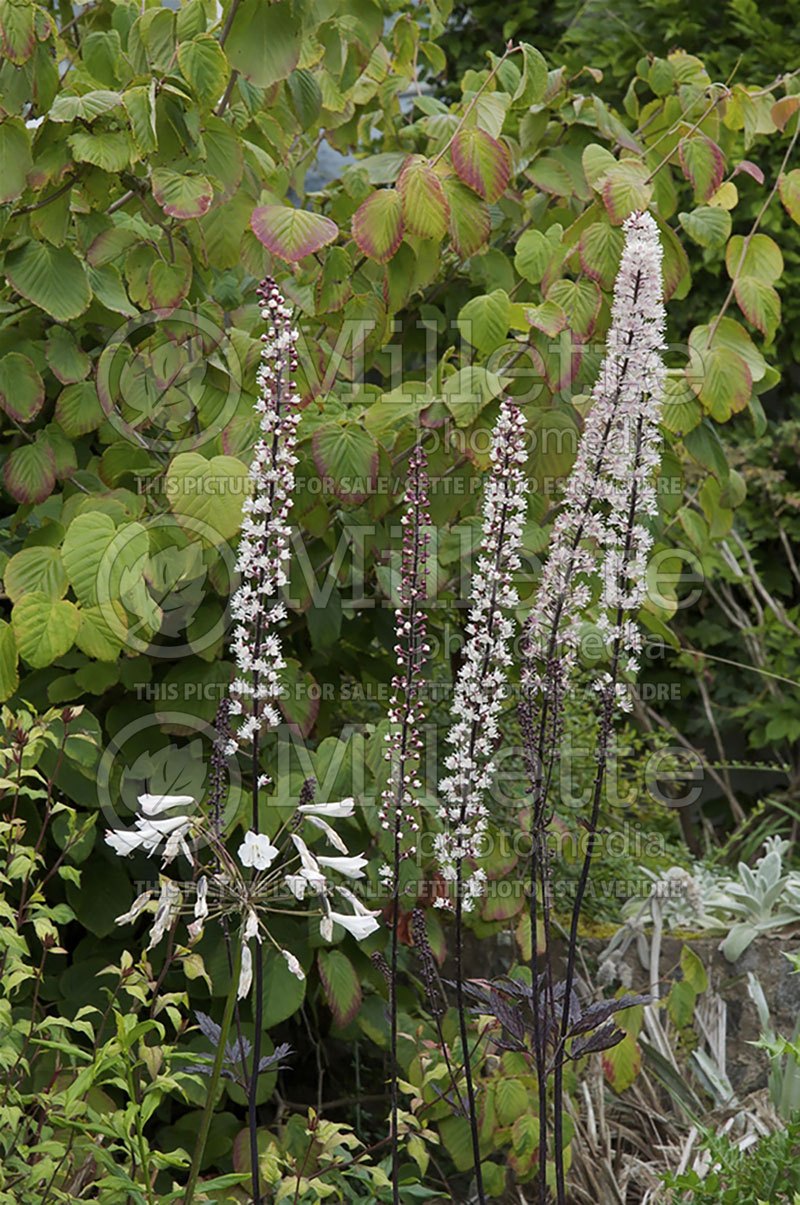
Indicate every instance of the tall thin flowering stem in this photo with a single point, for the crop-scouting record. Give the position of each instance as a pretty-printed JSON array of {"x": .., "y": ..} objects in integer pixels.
[
  {"x": 264, "y": 550},
  {"x": 397, "y": 811},
  {"x": 479, "y": 694},
  {"x": 596, "y": 535}
]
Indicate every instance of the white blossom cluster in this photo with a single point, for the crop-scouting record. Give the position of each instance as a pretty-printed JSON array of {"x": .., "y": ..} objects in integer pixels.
[
  {"x": 264, "y": 545},
  {"x": 598, "y": 532},
  {"x": 406, "y": 706},
  {"x": 481, "y": 686}
]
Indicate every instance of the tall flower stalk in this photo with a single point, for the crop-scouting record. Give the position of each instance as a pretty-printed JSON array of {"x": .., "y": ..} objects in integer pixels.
[
  {"x": 598, "y": 536},
  {"x": 398, "y": 813},
  {"x": 478, "y": 699}
]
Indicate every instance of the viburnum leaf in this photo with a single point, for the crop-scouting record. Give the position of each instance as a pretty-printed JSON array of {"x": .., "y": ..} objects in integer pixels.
[
  {"x": 469, "y": 220},
  {"x": 703, "y": 164},
  {"x": 718, "y": 374},
  {"x": 600, "y": 250},
  {"x": 29, "y": 473},
  {"x": 44, "y": 628},
  {"x": 168, "y": 283},
  {"x": 51, "y": 278},
  {"x": 181, "y": 195},
  {"x": 204, "y": 67},
  {"x": 481, "y": 162},
  {"x": 291, "y": 233},
  {"x": 425, "y": 206},
  {"x": 347, "y": 457},
  {"x": 580, "y": 300},
  {"x": 483, "y": 321},
  {"x": 18, "y": 29},
  {"x": 78, "y": 409},
  {"x": 21, "y": 387},
  {"x": 9, "y": 670},
  {"x": 626, "y": 188},
  {"x": 342, "y": 988},
  {"x": 760, "y": 304},
  {"x": 378, "y": 225},
  {"x": 708, "y": 225},
  {"x": 265, "y": 41},
  {"x": 622, "y": 1063},
  {"x": 110, "y": 150},
  {"x": 65, "y": 359},
  {"x": 760, "y": 257},
  {"x": 789, "y": 187},
  {"x": 15, "y": 156}
]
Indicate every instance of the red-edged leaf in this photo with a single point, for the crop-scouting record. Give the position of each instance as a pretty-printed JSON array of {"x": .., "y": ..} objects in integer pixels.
[
  {"x": 470, "y": 222},
  {"x": 342, "y": 988},
  {"x": 626, "y": 189},
  {"x": 600, "y": 250},
  {"x": 783, "y": 109},
  {"x": 622, "y": 1063},
  {"x": 481, "y": 162},
  {"x": 703, "y": 164},
  {"x": 580, "y": 300},
  {"x": 719, "y": 375},
  {"x": 675, "y": 265},
  {"x": 290, "y": 233},
  {"x": 181, "y": 195},
  {"x": 168, "y": 284},
  {"x": 79, "y": 410},
  {"x": 18, "y": 29},
  {"x": 760, "y": 304},
  {"x": 66, "y": 360},
  {"x": 30, "y": 472},
  {"x": 425, "y": 206},
  {"x": 21, "y": 387},
  {"x": 789, "y": 186},
  {"x": 378, "y": 225},
  {"x": 346, "y": 457},
  {"x": 750, "y": 169}
]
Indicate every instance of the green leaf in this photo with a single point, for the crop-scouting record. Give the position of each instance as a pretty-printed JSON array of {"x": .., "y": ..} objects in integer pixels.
[
  {"x": 761, "y": 258},
  {"x": 468, "y": 391},
  {"x": 51, "y": 278},
  {"x": 86, "y": 107},
  {"x": 29, "y": 473},
  {"x": 600, "y": 250},
  {"x": 181, "y": 195},
  {"x": 306, "y": 96},
  {"x": 107, "y": 286},
  {"x": 470, "y": 222},
  {"x": 703, "y": 164},
  {"x": 21, "y": 387},
  {"x": 740, "y": 938},
  {"x": 511, "y": 1099},
  {"x": 580, "y": 300},
  {"x": 44, "y": 628},
  {"x": 681, "y": 1001},
  {"x": 85, "y": 544},
  {"x": 15, "y": 156},
  {"x": 102, "y": 632},
  {"x": 342, "y": 988},
  {"x": 597, "y": 162},
  {"x": 18, "y": 29},
  {"x": 264, "y": 42},
  {"x": 65, "y": 359},
  {"x": 78, "y": 409},
  {"x": 533, "y": 253},
  {"x": 621, "y": 1064},
  {"x": 425, "y": 206},
  {"x": 346, "y": 457},
  {"x": 533, "y": 82},
  {"x": 38, "y": 569},
  {"x": 680, "y": 411},
  {"x": 483, "y": 321},
  {"x": 626, "y": 189},
  {"x": 169, "y": 283},
  {"x": 693, "y": 970},
  {"x": 789, "y": 186},
  {"x": 720, "y": 378},
  {"x": 708, "y": 225},
  {"x": 140, "y": 105},
  {"x": 110, "y": 150},
  {"x": 206, "y": 495},
  {"x": 290, "y": 233},
  {"x": 9, "y": 672},
  {"x": 760, "y": 305},
  {"x": 457, "y": 1138},
  {"x": 483, "y": 163},
  {"x": 204, "y": 67},
  {"x": 378, "y": 225}
]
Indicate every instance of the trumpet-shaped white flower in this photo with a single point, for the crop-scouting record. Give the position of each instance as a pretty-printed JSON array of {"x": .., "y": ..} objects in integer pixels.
[
  {"x": 353, "y": 868},
  {"x": 257, "y": 851},
  {"x": 334, "y": 838},
  {"x": 359, "y": 926},
  {"x": 154, "y": 805},
  {"x": 246, "y": 972},
  {"x": 148, "y": 834},
  {"x": 168, "y": 908},
  {"x": 138, "y": 906},
  {"x": 329, "y": 811}
]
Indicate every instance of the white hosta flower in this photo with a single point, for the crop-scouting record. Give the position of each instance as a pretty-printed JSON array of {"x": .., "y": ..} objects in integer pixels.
[
  {"x": 359, "y": 926},
  {"x": 329, "y": 811},
  {"x": 257, "y": 851},
  {"x": 138, "y": 906},
  {"x": 353, "y": 867},
  {"x": 169, "y": 903},
  {"x": 147, "y": 835},
  {"x": 154, "y": 805},
  {"x": 201, "y": 902},
  {"x": 334, "y": 838},
  {"x": 293, "y": 964},
  {"x": 246, "y": 973}
]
